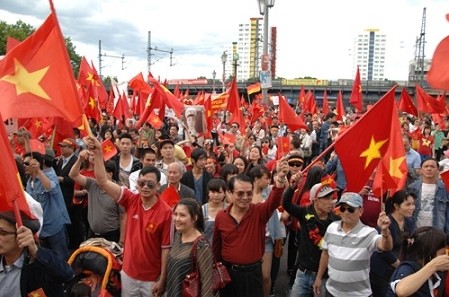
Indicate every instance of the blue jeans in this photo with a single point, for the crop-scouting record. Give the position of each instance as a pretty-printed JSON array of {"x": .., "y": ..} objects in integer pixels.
[
  {"x": 303, "y": 286},
  {"x": 57, "y": 243}
]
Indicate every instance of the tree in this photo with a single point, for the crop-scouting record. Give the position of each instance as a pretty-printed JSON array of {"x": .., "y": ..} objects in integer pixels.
[{"x": 20, "y": 31}]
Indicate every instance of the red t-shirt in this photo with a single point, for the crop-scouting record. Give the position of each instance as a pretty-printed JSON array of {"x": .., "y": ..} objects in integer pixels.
[
  {"x": 147, "y": 233},
  {"x": 244, "y": 243}
]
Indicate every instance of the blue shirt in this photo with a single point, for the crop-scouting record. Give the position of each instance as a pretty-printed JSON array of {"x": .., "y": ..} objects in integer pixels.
[
  {"x": 413, "y": 159},
  {"x": 52, "y": 202}
]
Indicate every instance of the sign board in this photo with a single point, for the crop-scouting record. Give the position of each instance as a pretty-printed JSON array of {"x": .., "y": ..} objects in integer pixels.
[
  {"x": 265, "y": 79},
  {"x": 11, "y": 125}
]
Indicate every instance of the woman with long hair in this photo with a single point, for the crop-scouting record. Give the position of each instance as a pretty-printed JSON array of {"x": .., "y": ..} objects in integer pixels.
[
  {"x": 399, "y": 209},
  {"x": 189, "y": 224},
  {"x": 216, "y": 202},
  {"x": 423, "y": 256}
]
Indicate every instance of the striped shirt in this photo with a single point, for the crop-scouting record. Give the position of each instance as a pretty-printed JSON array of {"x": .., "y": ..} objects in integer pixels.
[{"x": 349, "y": 259}]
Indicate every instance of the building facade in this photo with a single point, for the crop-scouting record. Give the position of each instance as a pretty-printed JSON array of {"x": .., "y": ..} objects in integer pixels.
[{"x": 369, "y": 53}]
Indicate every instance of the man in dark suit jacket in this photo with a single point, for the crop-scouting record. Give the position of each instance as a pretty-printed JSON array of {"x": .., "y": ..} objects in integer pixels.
[
  {"x": 65, "y": 163},
  {"x": 198, "y": 177},
  {"x": 175, "y": 171}
]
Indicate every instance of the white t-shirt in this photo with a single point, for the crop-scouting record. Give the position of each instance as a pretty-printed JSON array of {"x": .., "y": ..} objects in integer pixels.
[{"x": 425, "y": 215}]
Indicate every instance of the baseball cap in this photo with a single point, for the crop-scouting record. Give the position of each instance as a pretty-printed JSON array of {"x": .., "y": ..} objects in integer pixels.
[
  {"x": 351, "y": 199},
  {"x": 190, "y": 112},
  {"x": 50, "y": 154},
  {"x": 320, "y": 191}
]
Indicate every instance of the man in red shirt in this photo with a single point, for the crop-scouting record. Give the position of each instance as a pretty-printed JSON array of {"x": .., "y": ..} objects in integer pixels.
[
  {"x": 239, "y": 233},
  {"x": 148, "y": 228}
]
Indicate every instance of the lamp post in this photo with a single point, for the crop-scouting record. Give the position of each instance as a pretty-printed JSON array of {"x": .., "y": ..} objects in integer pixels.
[
  {"x": 264, "y": 7},
  {"x": 214, "y": 74},
  {"x": 224, "y": 57}
]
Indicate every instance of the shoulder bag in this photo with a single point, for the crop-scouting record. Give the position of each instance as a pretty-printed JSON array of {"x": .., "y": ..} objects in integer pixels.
[{"x": 191, "y": 286}]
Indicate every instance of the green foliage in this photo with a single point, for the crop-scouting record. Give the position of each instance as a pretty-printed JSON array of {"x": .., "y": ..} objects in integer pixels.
[{"x": 21, "y": 31}]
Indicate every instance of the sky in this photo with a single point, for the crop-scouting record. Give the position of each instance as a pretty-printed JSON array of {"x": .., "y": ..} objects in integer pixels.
[{"x": 315, "y": 38}]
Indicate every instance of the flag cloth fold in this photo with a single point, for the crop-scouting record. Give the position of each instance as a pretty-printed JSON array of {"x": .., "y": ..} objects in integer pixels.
[
  {"x": 253, "y": 88},
  {"x": 36, "y": 74},
  {"x": 170, "y": 196},
  {"x": 361, "y": 147},
  {"x": 438, "y": 74},
  {"x": 109, "y": 149},
  {"x": 340, "y": 109},
  {"x": 288, "y": 116},
  {"x": 427, "y": 103},
  {"x": 11, "y": 186},
  {"x": 406, "y": 104},
  {"x": 356, "y": 99}
]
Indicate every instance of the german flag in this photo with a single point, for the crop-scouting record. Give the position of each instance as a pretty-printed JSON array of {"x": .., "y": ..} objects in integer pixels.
[{"x": 253, "y": 88}]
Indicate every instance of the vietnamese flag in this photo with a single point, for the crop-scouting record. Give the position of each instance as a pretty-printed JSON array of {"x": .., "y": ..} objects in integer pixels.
[
  {"x": 361, "y": 147},
  {"x": 445, "y": 178},
  {"x": 37, "y": 146},
  {"x": 89, "y": 79},
  {"x": 109, "y": 149},
  {"x": 170, "y": 196},
  {"x": 288, "y": 116},
  {"x": 283, "y": 146},
  {"x": 167, "y": 97},
  {"x": 11, "y": 188},
  {"x": 340, "y": 110},
  {"x": 36, "y": 78},
  {"x": 154, "y": 121},
  {"x": 234, "y": 106},
  {"x": 11, "y": 43},
  {"x": 427, "y": 103},
  {"x": 227, "y": 138},
  {"x": 394, "y": 176},
  {"x": 302, "y": 98},
  {"x": 356, "y": 99},
  {"x": 406, "y": 104},
  {"x": 438, "y": 74}
]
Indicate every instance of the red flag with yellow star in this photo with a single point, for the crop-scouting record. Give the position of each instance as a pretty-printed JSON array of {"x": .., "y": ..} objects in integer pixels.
[
  {"x": 283, "y": 146},
  {"x": 37, "y": 293},
  {"x": 393, "y": 172},
  {"x": 406, "y": 104},
  {"x": 361, "y": 147},
  {"x": 155, "y": 121},
  {"x": 340, "y": 108},
  {"x": 88, "y": 78},
  {"x": 167, "y": 97},
  {"x": 356, "y": 99},
  {"x": 426, "y": 103},
  {"x": 109, "y": 149},
  {"x": 288, "y": 116},
  {"x": 11, "y": 188},
  {"x": 36, "y": 77}
]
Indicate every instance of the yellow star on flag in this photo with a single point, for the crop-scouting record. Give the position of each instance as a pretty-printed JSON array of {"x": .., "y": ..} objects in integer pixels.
[
  {"x": 107, "y": 148},
  {"x": 395, "y": 170},
  {"x": 93, "y": 81},
  {"x": 426, "y": 142},
  {"x": 27, "y": 82},
  {"x": 91, "y": 102},
  {"x": 373, "y": 151},
  {"x": 38, "y": 123}
]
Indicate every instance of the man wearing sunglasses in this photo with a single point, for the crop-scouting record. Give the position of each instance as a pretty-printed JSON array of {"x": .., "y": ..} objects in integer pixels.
[
  {"x": 148, "y": 228},
  {"x": 347, "y": 248}
]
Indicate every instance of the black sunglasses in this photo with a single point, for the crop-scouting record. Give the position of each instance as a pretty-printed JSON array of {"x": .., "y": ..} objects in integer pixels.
[
  {"x": 347, "y": 208},
  {"x": 150, "y": 184},
  {"x": 295, "y": 164}
]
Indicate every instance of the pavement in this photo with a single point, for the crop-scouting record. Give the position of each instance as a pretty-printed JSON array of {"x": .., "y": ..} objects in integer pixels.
[{"x": 281, "y": 285}]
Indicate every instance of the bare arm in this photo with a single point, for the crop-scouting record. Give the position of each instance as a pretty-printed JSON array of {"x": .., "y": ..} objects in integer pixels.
[
  {"x": 159, "y": 286},
  {"x": 122, "y": 220},
  {"x": 386, "y": 241},
  {"x": 111, "y": 188},
  {"x": 411, "y": 283},
  {"x": 75, "y": 171},
  {"x": 324, "y": 260}
]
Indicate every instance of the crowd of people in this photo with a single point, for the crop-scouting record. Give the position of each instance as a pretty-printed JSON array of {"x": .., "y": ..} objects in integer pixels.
[{"x": 241, "y": 202}]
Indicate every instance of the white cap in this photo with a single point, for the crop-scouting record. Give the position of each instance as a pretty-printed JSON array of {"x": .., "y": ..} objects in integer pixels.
[{"x": 320, "y": 191}]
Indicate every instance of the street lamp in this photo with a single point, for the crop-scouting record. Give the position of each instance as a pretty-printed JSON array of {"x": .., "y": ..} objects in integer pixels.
[
  {"x": 264, "y": 7},
  {"x": 224, "y": 57},
  {"x": 214, "y": 74}
]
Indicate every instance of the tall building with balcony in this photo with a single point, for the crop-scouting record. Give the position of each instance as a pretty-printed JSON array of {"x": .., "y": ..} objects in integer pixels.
[
  {"x": 369, "y": 54},
  {"x": 246, "y": 54}
]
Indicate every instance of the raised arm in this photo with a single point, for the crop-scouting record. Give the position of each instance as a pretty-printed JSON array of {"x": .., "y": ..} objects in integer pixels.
[
  {"x": 111, "y": 188},
  {"x": 75, "y": 171}
]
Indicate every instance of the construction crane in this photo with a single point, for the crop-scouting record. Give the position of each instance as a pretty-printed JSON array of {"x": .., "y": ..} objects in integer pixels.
[{"x": 418, "y": 71}]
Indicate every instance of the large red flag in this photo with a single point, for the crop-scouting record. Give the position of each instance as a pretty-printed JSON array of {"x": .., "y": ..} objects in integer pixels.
[
  {"x": 89, "y": 79},
  {"x": 445, "y": 178},
  {"x": 288, "y": 116},
  {"x": 438, "y": 74},
  {"x": 395, "y": 175},
  {"x": 36, "y": 78},
  {"x": 234, "y": 106},
  {"x": 406, "y": 104},
  {"x": 11, "y": 188},
  {"x": 11, "y": 43},
  {"x": 302, "y": 99},
  {"x": 340, "y": 110},
  {"x": 361, "y": 147},
  {"x": 427, "y": 103},
  {"x": 356, "y": 99}
]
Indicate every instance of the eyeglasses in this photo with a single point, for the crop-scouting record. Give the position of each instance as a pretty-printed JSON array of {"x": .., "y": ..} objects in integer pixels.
[
  {"x": 240, "y": 194},
  {"x": 234, "y": 126},
  {"x": 295, "y": 164},
  {"x": 150, "y": 184},
  {"x": 265, "y": 141},
  {"x": 345, "y": 208},
  {"x": 26, "y": 163},
  {"x": 5, "y": 232}
]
